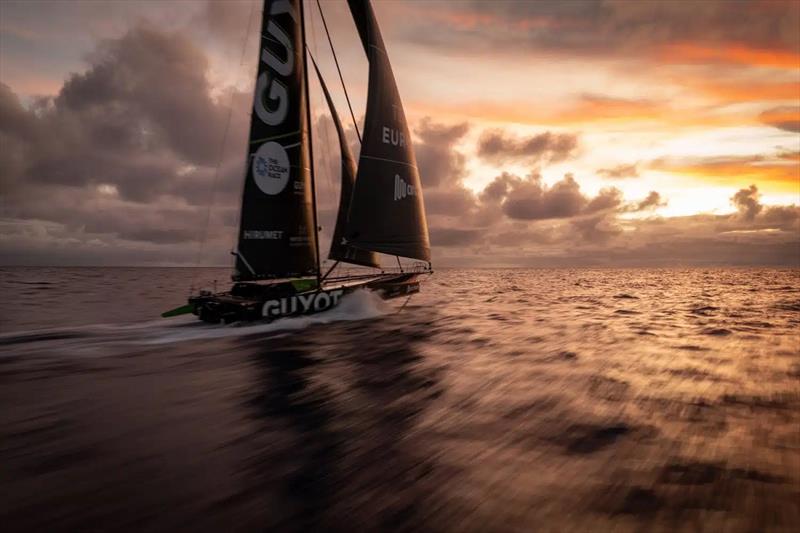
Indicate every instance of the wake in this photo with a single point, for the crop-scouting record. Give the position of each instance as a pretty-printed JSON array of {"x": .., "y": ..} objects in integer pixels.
[{"x": 96, "y": 338}]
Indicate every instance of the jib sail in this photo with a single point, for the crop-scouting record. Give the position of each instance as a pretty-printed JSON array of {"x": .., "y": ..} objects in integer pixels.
[
  {"x": 387, "y": 213},
  {"x": 340, "y": 251},
  {"x": 276, "y": 231}
]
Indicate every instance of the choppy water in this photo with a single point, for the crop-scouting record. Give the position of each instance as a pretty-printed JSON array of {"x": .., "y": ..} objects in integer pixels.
[{"x": 497, "y": 400}]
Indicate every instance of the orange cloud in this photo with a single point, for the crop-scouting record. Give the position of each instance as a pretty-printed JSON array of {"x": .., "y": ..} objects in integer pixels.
[
  {"x": 729, "y": 53},
  {"x": 774, "y": 174},
  {"x": 589, "y": 109},
  {"x": 748, "y": 91}
]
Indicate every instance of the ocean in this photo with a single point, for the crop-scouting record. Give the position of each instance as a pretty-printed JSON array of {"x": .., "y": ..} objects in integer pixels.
[{"x": 494, "y": 400}]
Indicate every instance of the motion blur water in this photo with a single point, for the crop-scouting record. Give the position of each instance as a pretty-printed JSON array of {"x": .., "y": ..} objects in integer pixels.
[{"x": 497, "y": 400}]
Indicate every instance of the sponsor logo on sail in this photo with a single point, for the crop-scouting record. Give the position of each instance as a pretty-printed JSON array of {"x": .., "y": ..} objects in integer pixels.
[
  {"x": 302, "y": 303},
  {"x": 271, "y": 168},
  {"x": 402, "y": 189},
  {"x": 270, "y": 87},
  {"x": 270, "y": 165},
  {"x": 393, "y": 136},
  {"x": 267, "y": 235}
]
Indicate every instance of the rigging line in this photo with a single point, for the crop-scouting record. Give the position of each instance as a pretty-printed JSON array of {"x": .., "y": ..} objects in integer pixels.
[
  {"x": 326, "y": 145},
  {"x": 339, "y": 70},
  {"x": 325, "y": 151},
  {"x": 215, "y": 181}
]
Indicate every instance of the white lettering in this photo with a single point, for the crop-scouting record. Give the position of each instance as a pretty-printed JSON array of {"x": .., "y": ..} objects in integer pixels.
[
  {"x": 270, "y": 235},
  {"x": 393, "y": 136},
  {"x": 268, "y": 86},
  {"x": 284, "y": 68},
  {"x": 335, "y": 297},
  {"x": 323, "y": 301},
  {"x": 302, "y": 303},
  {"x": 270, "y": 307},
  {"x": 277, "y": 91},
  {"x": 305, "y": 301},
  {"x": 402, "y": 189}
]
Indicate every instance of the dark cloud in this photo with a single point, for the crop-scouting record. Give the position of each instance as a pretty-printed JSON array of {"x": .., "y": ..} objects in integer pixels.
[
  {"x": 652, "y": 201},
  {"x": 438, "y": 161},
  {"x": 531, "y": 199},
  {"x": 601, "y": 27},
  {"x": 620, "y": 171},
  {"x": 442, "y": 168},
  {"x": 783, "y": 117},
  {"x": 596, "y": 229},
  {"x": 609, "y": 198},
  {"x": 152, "y": 88},
  {"x": 497, "y": 146},
  {"x": 455, "y": 236},
  {"x": 747, "y": 203},
  {"x": 129, "y": 151}
]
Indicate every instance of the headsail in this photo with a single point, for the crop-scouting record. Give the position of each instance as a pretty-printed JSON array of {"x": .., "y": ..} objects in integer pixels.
[
  {"x": 339, "y": 250},
  {"x": 276, "y": 232},
  {"x": 387, "y": 213}
]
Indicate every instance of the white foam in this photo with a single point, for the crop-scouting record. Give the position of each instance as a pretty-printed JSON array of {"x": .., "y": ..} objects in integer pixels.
[
  {"x": 96, "y": 338},
  {"x": 358, "y": 305}
]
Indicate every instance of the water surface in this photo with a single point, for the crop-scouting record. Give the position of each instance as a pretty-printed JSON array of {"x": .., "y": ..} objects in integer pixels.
[{"x": 497, "y": 400}]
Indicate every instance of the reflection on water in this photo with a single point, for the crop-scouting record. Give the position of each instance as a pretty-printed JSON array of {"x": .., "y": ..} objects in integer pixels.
[{"x": 505, "y": 400}]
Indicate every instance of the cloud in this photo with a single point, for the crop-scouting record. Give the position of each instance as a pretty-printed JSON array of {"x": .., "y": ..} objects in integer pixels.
[
  {"x": 783, "y": 117},
  {"x": 652, "y": 201},
  {"x": 442, "y": 168},
  {"x": 596, "y": 229},
  {"x": 455, "y": 236},
  {"x": 438, "y": 162},
  {"x": 497, "y": 146},
  {"x": 746, "y": 202},
  {"x": 779, "y": 169},
  {"x": 530, "y": 198},
  {"x": 129, "y": 151},
  {"x": 620, "y": 171},
  {"x": 754, "y": 32}
]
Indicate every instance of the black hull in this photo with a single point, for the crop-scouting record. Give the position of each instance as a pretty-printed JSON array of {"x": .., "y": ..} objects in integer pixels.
[{"x": 247, "y": 302}]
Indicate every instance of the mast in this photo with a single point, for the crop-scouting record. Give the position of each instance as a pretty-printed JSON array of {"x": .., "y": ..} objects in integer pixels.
[{"x": 310, "y": 141}]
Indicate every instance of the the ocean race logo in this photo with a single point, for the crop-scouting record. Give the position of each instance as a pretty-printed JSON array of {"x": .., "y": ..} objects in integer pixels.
[
  {"x": 300, "y": 304},
  {"x": 402, "y": 188},
  {"x": 271, "y": 170}
]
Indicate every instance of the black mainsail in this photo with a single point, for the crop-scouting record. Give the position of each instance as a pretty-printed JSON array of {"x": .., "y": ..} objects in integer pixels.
[
  {"x": 277, "y": 230},
  {"x": 387, "y": 213},
  {"x": 340, "y": 250}
]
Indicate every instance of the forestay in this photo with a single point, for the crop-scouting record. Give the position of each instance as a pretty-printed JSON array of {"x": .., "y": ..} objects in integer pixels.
[{"x": 340, "y": 251}]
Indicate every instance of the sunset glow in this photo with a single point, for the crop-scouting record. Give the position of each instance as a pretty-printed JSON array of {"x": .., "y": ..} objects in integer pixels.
[{"x": 694, "y": 103}]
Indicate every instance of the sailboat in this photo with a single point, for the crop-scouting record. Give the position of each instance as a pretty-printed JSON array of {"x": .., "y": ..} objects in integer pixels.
[{"x": 277, "y": 270}]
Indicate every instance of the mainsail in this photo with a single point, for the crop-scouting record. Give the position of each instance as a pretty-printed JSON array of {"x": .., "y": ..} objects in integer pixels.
[
  {"x": 340, "y": 251},
  {"x": 387, "y": 213},
  {"x": 277, "y": 231}
]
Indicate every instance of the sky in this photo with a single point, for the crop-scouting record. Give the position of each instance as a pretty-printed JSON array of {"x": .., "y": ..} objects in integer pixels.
[{"x": 548, "y": 134}]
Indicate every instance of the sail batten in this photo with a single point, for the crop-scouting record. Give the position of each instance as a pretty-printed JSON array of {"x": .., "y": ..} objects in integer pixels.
[
  {"x": 277, "y": 237},
  {"x": 387, "y": 211}
]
